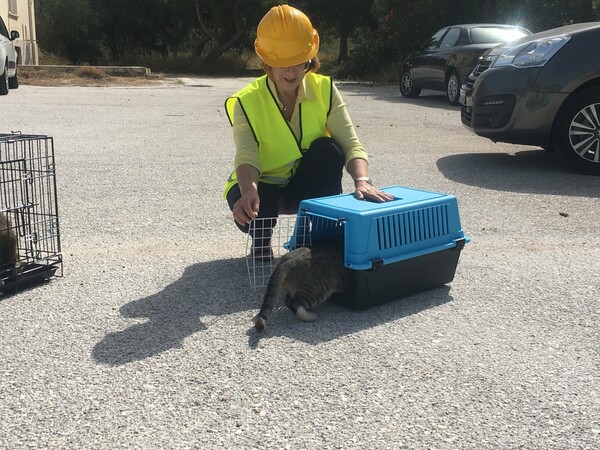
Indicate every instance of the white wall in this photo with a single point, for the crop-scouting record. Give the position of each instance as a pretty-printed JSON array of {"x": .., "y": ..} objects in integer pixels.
[{"x": 19, "y": 15}]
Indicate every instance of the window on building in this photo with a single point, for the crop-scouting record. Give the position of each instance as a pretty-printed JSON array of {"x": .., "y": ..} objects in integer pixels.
[{"x": 12, "y": 6}]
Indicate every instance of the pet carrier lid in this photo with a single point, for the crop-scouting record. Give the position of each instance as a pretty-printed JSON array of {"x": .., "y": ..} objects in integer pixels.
[{"x": 415, "y": 223}]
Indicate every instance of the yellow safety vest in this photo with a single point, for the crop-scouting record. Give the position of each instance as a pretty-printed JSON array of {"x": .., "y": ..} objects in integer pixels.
[{"x": 278, "y": 149}]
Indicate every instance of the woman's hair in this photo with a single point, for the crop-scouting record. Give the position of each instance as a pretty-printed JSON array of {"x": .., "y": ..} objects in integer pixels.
[{"x": 314, "y": 65}]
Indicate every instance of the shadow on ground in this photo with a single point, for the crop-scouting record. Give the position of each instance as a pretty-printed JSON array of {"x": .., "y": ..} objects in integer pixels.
[
  {"x": 214, "y": 289},
  {"x": 206, "y": 289},
  {"x": 336, "y": 321},
  {"x": 528, "y": 171}
]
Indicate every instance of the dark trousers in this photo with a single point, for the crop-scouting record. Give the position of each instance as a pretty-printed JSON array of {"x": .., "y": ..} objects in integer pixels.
[{"x": 319, "y": 174}]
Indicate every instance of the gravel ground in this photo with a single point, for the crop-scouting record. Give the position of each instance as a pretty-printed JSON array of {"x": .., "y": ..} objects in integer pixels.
[{"x": 146, "y": 343}]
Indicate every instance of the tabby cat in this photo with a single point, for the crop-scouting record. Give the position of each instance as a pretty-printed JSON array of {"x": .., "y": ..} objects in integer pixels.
[{"x": 309, "y": 275}]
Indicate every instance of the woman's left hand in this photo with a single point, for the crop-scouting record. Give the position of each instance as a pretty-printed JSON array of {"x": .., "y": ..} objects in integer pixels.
[{"x": 366, "y": 191}]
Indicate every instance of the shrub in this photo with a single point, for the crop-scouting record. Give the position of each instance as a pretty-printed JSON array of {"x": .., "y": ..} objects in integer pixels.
[{"x": 90, "y": 72}]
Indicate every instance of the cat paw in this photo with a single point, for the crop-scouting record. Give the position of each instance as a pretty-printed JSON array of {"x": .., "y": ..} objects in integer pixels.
[
  {"x": 305, "y": 315},
  {"x": 19, "y": 267},
  {"x": 260, "y": 324}
]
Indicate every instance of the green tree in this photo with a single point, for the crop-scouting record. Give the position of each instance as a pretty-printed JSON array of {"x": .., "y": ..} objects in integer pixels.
[
  {"x": 69, "y": 29},
  {"x": 372, "y": 34},
  {"x": 341, "y": 16},
  {"x": 538, "y": 15},
  {"x": 136, "y": 26},
  {"x": 225, "y": 23}
]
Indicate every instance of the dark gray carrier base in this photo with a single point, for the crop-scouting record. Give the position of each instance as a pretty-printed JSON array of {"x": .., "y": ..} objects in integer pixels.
[{"x": 385, "y": 283}]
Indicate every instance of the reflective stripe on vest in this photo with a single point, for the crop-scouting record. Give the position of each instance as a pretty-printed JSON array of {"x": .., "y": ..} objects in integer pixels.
[{"x": 278, "y": 149}]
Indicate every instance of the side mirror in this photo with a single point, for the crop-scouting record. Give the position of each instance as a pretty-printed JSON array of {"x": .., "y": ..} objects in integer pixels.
[{"x": 14, "y": 34}]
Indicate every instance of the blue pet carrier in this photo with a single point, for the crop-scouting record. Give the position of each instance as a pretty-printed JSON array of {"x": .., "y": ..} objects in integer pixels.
[{"x": 391, "y": 249}]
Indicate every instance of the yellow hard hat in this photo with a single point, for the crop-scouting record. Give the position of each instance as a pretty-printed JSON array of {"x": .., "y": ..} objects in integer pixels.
[{"x": 285, "y": 37}]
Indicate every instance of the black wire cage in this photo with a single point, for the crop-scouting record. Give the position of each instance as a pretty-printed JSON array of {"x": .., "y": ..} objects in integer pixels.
[{"x": 29, "y": 229}]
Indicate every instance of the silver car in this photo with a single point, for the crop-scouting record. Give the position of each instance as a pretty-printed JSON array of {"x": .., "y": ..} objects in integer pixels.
[{"x": 8, "y": 59}]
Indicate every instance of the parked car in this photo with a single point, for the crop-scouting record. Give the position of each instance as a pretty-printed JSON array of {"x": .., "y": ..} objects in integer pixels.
[
  {"x": 8, "y": 59},
  {"x": 445, "y": 61},
  {"x": 542, "y": 90}
]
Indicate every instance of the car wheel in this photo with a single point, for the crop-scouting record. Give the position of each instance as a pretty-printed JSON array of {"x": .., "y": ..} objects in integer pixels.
[
  {"x": 453, "y": 88},
  {"x": 4, "y": 83},
  {"x": 577, "y": 131},
  {"x": 407, "y": 88},
  {"x": 13, "y": 82}
]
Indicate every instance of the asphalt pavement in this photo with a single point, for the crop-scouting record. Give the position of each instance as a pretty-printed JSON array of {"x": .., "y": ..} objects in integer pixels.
[{"x": 146, "y": 340}]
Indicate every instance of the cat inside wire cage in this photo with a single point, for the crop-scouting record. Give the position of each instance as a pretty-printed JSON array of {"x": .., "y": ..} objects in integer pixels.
[
  {"x": 29, "y": 230},
  {"x": 270, "y": 238}
]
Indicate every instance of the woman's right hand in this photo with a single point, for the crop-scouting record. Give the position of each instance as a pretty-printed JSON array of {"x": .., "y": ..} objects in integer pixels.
[{"x": 246, "y": 208}]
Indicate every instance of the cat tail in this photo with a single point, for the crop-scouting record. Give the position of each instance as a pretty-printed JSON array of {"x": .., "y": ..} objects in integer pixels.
[{"x": 271, "y": 295}]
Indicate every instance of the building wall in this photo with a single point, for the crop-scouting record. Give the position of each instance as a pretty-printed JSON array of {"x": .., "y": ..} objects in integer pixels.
[{"x": 19, "y": 15}]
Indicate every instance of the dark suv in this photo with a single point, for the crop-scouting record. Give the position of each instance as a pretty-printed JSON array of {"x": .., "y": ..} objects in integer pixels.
[
  {"x": 541, "y": 90},
  {"x": 444, "y": 62}
]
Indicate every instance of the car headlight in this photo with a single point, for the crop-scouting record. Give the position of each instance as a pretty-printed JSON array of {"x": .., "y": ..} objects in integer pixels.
[{"x": 531, "y": 54}]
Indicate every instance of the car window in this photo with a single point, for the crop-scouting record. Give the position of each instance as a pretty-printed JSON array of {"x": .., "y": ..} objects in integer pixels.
[
  {"x": 451, "y": 38},
  {"x": 434, "y": 40},
  {"x": 491, "y": 35},
  {"x": 3, "y": 30}
]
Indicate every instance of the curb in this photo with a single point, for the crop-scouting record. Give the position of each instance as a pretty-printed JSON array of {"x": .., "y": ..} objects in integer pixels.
[{"x": 131, "y": 71}]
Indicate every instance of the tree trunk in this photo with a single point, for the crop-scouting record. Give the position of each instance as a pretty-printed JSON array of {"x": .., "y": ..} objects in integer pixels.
[
  {"x": 343, "y": 55},
  {"x": 216, "y": 52},
  {"x": 221, "y": 47},
  {"x": 199, "y": 46}
]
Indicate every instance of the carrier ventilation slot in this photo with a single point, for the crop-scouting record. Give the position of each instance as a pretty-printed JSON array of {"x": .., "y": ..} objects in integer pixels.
[
  {"x": 409, "y": 227},
  {"x": 324, "y": 223}
]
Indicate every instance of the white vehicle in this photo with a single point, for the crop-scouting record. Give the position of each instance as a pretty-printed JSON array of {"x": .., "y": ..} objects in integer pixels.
[{"x": 8, "y": 60}]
